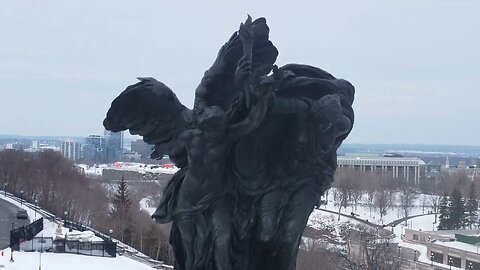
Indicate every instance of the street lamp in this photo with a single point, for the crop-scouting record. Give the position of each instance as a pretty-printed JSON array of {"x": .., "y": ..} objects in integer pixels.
[
  {"x": 470, "y": 265},
  {"x": 399, "y": 250},
  {"x": 450, "y": 261},
  {"x": 414, "y": 255},
  {"x": 11, "y": 245},
  {"x": 21, "y": 197},
  {"x": 432, "y": 257},
  {"x": 5, "y": 188},
  {"x": 36, "y": 203},
  {"x": 110, "y": 232},
  {"x": 66, "y": 218}
]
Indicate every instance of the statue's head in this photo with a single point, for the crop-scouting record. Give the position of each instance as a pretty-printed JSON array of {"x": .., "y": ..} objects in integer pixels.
[{"x": 213, "y": 121}]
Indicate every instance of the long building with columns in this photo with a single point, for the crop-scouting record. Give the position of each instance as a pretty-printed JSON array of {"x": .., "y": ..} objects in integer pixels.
[{"x": 411, "y": 169}]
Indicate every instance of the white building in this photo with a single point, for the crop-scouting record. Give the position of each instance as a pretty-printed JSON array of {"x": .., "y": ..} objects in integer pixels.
[
  {"x": 71, "y": 149},
  {"x": 411, "y": 169}
]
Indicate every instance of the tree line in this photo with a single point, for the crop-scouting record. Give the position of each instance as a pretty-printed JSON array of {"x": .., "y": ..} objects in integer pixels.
[
  {"x": 56, "y": 185},
  {"x": 458, "y": 211}
]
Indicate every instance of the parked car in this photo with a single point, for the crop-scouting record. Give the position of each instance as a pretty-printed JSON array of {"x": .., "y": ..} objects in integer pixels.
[{"x": 22, "y": 214}]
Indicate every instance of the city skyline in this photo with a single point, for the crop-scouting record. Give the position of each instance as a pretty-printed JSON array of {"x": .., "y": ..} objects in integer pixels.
[{"x": 415, "y": 66}]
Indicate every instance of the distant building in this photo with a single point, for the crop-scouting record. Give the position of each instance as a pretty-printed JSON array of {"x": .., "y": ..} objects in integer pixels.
[
  {"x": 94, "y": 149},
  {"x": 434, "y": 167},
  {"x": 71, "y": 150},
  {"x": 411, "y": 169},
  {"x": 142, "y": 148},
  {"x": 113, "y": 145},
  {"x": 14, "y": 146},
  {"x": 35, "y": 145},
  {"x": 131, "y": 156},
  {"x": 451, "y": 248}
]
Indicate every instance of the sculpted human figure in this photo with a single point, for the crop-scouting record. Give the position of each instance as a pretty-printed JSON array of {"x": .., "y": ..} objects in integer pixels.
[
  {"x": 207, "y": 147},
  {"x": 281, "y": 196},
  {"x": 255, "y": 153}
]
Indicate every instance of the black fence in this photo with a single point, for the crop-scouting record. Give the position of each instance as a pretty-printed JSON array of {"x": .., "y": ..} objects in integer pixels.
[
  {"x": 109, "y": 246},
  {"x": 25, "y": 233},
  {"x": 40, "y": 244},
  {"x": 48, "y": 244},
  {"x": 24, "y": 239},
  {"x": 102, "y": 249}
]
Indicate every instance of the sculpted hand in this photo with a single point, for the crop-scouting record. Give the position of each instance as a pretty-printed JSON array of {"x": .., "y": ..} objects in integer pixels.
[
  {"x": 244, "y": 69},
  {"x": 246, "y": 31},
  {"x": 327, "y": 110}
]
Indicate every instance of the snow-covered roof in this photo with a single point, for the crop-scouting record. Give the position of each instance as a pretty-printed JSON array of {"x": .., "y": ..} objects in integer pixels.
[{"x": 371, "y": 160}]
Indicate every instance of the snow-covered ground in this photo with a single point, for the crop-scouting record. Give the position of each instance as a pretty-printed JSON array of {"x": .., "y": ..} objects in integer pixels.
[
  {"x": 128, "y": 166},
  {"x": 144, "y": 205},
  {"x": 322, "y": 220},
  {"x": 61, "y": 261},
  {"x": 368, "y": 212}
]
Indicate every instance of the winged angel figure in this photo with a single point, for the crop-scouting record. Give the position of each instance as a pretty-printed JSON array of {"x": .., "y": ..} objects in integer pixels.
[{"x": 255, "y": 153}]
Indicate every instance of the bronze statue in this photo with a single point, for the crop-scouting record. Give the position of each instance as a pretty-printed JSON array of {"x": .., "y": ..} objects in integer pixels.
[{"x": 255, "y": 153}]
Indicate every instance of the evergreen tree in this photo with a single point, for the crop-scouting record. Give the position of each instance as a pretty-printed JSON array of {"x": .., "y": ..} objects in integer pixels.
[
  {"x": 444, "y": 217},
  {"x": 121, "y": 206},
  {"x": 472, "y": 207},
  {"x": 457, "y": 210}
]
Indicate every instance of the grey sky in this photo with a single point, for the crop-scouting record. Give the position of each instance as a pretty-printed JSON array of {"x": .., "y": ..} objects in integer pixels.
[{"x": 415, "y": 64}]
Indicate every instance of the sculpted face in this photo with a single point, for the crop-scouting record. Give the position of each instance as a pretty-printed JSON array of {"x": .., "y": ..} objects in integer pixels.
[{"x": 213, "y": 121}]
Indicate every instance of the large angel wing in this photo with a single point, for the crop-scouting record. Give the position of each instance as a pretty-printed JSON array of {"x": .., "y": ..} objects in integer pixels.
[
  {"x": 217, "y": 86},
  {"x": 150, "y": 109}
]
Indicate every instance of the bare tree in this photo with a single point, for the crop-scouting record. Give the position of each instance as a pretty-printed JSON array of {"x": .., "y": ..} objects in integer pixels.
[
  {"x": 408, "y": 196},
  {"x": 358, "y": 188},
  {"x": 382, "y": 203},
  {"x": 343, "y": 188},
  {"x": 370, "y": 249},
  {"x": 434, "y": 203},
  {"x": 371, "y": 184},
  {"x": 317, "y": 257}
]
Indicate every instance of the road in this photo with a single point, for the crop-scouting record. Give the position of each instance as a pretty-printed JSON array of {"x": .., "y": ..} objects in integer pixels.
[{"x": 8, "y": 215}]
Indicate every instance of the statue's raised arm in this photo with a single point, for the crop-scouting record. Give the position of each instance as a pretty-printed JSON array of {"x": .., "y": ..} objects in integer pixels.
[{"x": 218, "y": 86}]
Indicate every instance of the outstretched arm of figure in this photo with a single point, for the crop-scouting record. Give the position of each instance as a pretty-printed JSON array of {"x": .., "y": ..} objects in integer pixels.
[{"x": 252, "y": 121}]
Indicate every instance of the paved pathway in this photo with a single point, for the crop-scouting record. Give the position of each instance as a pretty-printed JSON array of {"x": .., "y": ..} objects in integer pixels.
[
  {"x": 8, "y": 215},
  {"x": 392, "y": 224}
]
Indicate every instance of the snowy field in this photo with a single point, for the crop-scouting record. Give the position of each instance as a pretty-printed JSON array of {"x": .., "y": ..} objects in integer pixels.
[{"x": 368, "y": 212}]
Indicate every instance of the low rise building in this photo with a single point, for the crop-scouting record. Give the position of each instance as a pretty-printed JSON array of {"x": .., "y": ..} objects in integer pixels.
[
  {"x": 459, "y": 248},
  {"x": 411, "y": 169}
]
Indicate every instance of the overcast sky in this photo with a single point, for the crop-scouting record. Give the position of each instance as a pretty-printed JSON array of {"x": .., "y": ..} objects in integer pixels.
[{"x": 415, "y": 64}]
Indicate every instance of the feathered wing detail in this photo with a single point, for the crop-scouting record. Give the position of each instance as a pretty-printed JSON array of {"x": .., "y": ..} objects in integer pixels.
[
  {"x": 149, "y": 109},
  {"x": 218, "y": 84}
]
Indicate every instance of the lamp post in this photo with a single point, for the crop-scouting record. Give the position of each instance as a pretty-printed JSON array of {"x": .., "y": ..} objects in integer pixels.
[
  {"x": 414, "y": 255},
  {"x": 399, "y": 250},
  {"x": 431, "y": 258},
  {"x": 5, "y": 188},
  {"x": 66, "y": 218},
  {"x": 11, "y": 254},
  {"x": 11, "y": 246},
  {"x": 450, "y": 261},
  {"x": 36, "y": 205},
  {"x": 110, "y": 232},
  {"x": 21, "y": 197},
  {"x": 470, "y": 265}
]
